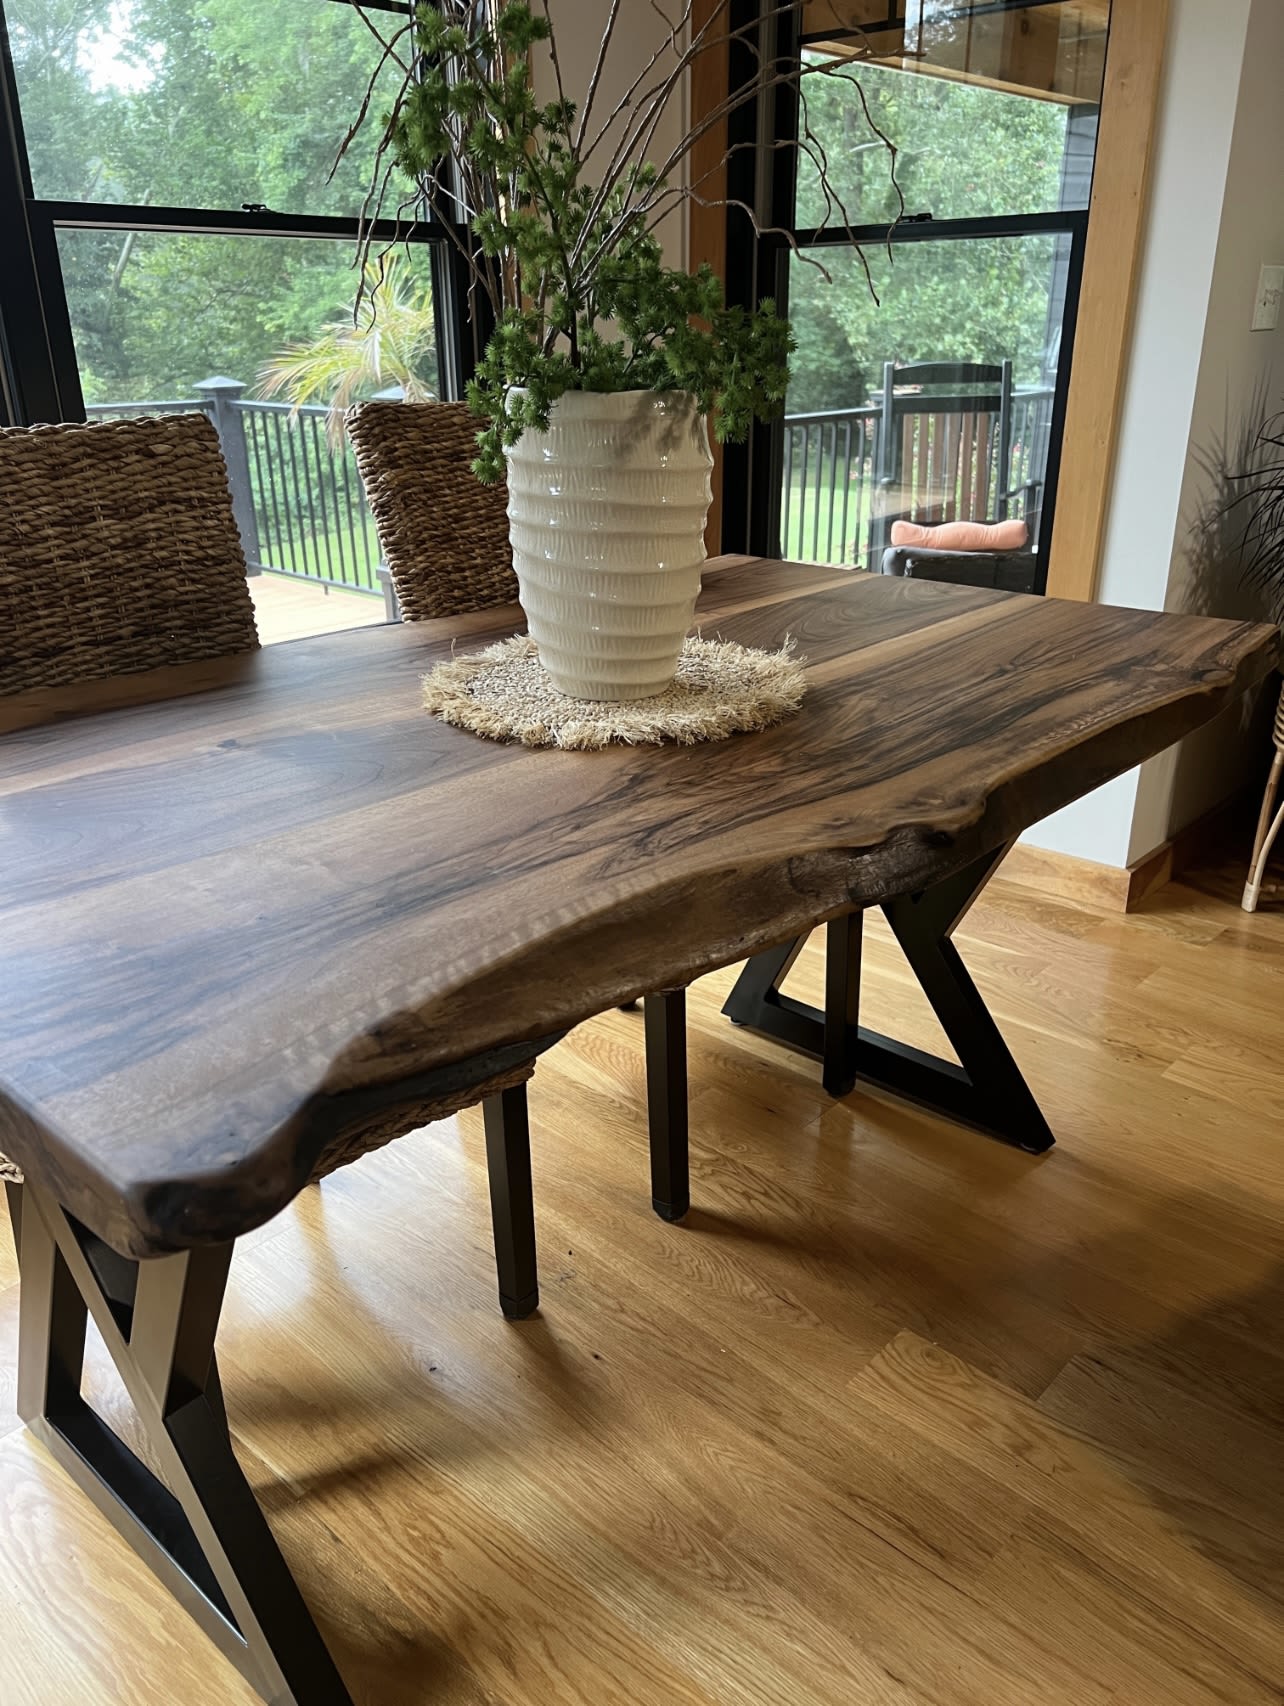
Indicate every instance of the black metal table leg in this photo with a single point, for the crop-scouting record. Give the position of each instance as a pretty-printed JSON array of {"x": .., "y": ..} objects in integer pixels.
[
  {"x": 512, "y": 1206},
  {"x": 13, "y": 1196},
  {"x": 200, "y": 1530},
  {"x": 843, "y": 937},
  {"x": 665, "y": 1018},
  {"x": 985, "y": 1090}
]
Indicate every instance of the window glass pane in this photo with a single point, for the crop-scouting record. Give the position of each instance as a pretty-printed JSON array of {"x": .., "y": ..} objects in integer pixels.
[
  {"x": 259, "y": 331},
  {"x": 864, "y": 446},
  {"x": 993, "y": 111},
  {"x": 195, "y": 103}
]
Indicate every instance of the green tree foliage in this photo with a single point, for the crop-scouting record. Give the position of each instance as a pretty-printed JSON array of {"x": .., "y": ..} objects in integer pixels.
[
  {"x": 961, "y": 152},
  {"x": 192, "y": 103}
]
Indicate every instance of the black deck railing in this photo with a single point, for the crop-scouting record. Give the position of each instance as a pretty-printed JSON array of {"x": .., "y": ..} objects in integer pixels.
[
  {"x": 832, "y": 507},
  {"x": 302, "y": 511},
  {"x": 828, "y": 483},
  {"x": 296, "y": 492}
]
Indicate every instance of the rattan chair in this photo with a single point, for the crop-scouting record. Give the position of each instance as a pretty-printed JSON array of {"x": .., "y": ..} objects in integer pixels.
[
  {"x": 119, "y": 552},
  {"x": 443, "y": 535},
  {"x": 1268, "y": 827}
]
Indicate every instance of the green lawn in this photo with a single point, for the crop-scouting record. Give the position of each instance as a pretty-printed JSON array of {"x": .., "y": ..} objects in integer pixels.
[
  {"x": 801, "y": 539},
  {"x": 322, "y": 555}
]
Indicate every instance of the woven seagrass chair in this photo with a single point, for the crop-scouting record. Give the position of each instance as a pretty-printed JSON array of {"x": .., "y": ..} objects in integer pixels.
[
  {"x": 444, "y": 537},
  {"x": 119, "y": 552}
]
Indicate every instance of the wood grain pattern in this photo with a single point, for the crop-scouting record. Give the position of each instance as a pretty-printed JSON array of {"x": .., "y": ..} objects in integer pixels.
[
  {"x": 1067, "y": 877},
  {"x": 223, "y": 914},
  {"x": 899, "y": 1416}
]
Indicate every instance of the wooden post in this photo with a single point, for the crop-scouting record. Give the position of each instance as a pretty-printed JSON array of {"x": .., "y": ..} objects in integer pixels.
[{"x": 1112, "y": 264}]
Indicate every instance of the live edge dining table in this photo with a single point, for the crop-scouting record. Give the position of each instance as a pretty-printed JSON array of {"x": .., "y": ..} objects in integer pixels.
[{"x": 238, "y": 897}]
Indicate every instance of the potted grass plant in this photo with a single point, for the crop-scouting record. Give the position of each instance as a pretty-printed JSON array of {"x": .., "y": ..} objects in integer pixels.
[
  {"x": 1256, "y": 504},
  {"x": 605, "y": 368}
]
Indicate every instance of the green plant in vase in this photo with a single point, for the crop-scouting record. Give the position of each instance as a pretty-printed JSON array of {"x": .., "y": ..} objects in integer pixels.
[{"x": 605, "y": 365}]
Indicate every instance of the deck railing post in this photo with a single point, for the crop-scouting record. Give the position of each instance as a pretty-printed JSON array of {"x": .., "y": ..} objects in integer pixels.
[{"x": 221, "y": 396}]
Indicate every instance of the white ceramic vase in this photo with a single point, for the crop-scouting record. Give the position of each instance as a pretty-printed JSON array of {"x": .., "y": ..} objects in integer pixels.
[{"x": 606, "y": 512}]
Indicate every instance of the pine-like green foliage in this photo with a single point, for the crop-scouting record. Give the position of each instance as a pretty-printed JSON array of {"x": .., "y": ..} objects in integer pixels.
[{"x": 588, "y": 303}]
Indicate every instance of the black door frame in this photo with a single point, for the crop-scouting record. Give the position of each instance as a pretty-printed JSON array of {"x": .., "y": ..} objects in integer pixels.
[{"x": 758, "y": 266}]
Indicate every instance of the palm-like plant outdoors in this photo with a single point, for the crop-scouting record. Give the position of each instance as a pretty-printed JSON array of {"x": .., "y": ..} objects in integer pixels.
[{"x": 389, "y": 341}]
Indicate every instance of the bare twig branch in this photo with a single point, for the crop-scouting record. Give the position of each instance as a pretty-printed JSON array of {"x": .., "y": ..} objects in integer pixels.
[
  {"x": 766, "y": 81},
  {"x": 364, "y": 110},
  {"x": 596, "y": 77},
  {"x": 629, "y": 192},
  {"x": 552, "y": 53}
]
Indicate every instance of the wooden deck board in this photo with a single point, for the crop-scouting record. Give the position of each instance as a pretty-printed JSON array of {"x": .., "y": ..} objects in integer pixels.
[{"x": 288, "y": 609}]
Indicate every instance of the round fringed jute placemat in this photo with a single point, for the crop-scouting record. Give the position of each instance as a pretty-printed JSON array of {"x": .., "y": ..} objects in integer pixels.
[{"x": 721, "y": 689}]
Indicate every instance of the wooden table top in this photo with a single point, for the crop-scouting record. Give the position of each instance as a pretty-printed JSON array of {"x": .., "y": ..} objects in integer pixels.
[{"x": 219, "y": 911}]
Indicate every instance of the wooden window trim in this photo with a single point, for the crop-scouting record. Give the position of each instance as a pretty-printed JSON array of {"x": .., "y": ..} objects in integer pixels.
[{"x": 1111, "y": 268}]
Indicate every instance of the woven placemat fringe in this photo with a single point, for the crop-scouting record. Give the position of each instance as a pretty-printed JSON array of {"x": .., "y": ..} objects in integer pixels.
[{"x": 721, "y": 689}]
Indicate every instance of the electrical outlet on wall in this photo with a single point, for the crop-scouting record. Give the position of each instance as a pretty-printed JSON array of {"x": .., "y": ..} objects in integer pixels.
[{"x": 1266, "y": 309}]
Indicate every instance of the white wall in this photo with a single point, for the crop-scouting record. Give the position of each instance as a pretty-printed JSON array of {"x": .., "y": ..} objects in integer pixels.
[
  {"x": 1240, "y": 373},
  {"x": 639, "y": 33},
  {"x": 1216, "y": 212}
]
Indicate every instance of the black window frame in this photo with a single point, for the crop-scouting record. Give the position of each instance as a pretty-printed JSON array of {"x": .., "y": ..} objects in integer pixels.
[
  {"x": 765, "y": 178},
  {"x": 39, "y": 371}
]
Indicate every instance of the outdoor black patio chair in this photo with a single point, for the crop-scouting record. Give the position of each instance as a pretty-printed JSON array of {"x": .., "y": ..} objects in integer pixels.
[
  {"x": 1005, "y": 571},
  {"x": 945, "y": 446}
]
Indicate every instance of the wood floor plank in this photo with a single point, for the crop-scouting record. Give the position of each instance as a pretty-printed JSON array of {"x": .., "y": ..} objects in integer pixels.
[
  {"x": 1072, "y": 1600},
  {"x": 84, "y": 1619},
  {"x": 1086, "y": 1493},
  {"x": 1186, "y": 1448}
]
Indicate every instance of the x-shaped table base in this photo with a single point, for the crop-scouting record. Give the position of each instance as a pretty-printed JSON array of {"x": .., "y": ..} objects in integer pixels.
[
  {"x": 200, "y": 1529},
  {"x": 985, "y": 1090}
]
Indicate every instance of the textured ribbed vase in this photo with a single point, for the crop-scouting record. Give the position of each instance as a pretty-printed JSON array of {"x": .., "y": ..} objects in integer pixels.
[{"x": 606, "y": 512}]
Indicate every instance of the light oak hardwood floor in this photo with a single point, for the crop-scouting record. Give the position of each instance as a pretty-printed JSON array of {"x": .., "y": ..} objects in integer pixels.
[{"x": 898, "y": 1417}]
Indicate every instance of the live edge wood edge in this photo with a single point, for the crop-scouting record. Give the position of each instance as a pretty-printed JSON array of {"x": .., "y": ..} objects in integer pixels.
[{"x": 774, "y": 861}]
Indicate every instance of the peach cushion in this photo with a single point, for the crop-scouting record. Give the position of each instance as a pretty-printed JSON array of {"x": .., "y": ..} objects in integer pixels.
[{"x": 963, "y": 535}]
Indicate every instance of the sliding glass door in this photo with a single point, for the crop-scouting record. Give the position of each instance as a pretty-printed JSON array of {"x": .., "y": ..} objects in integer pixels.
[{"x": 934, "y": 308}]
